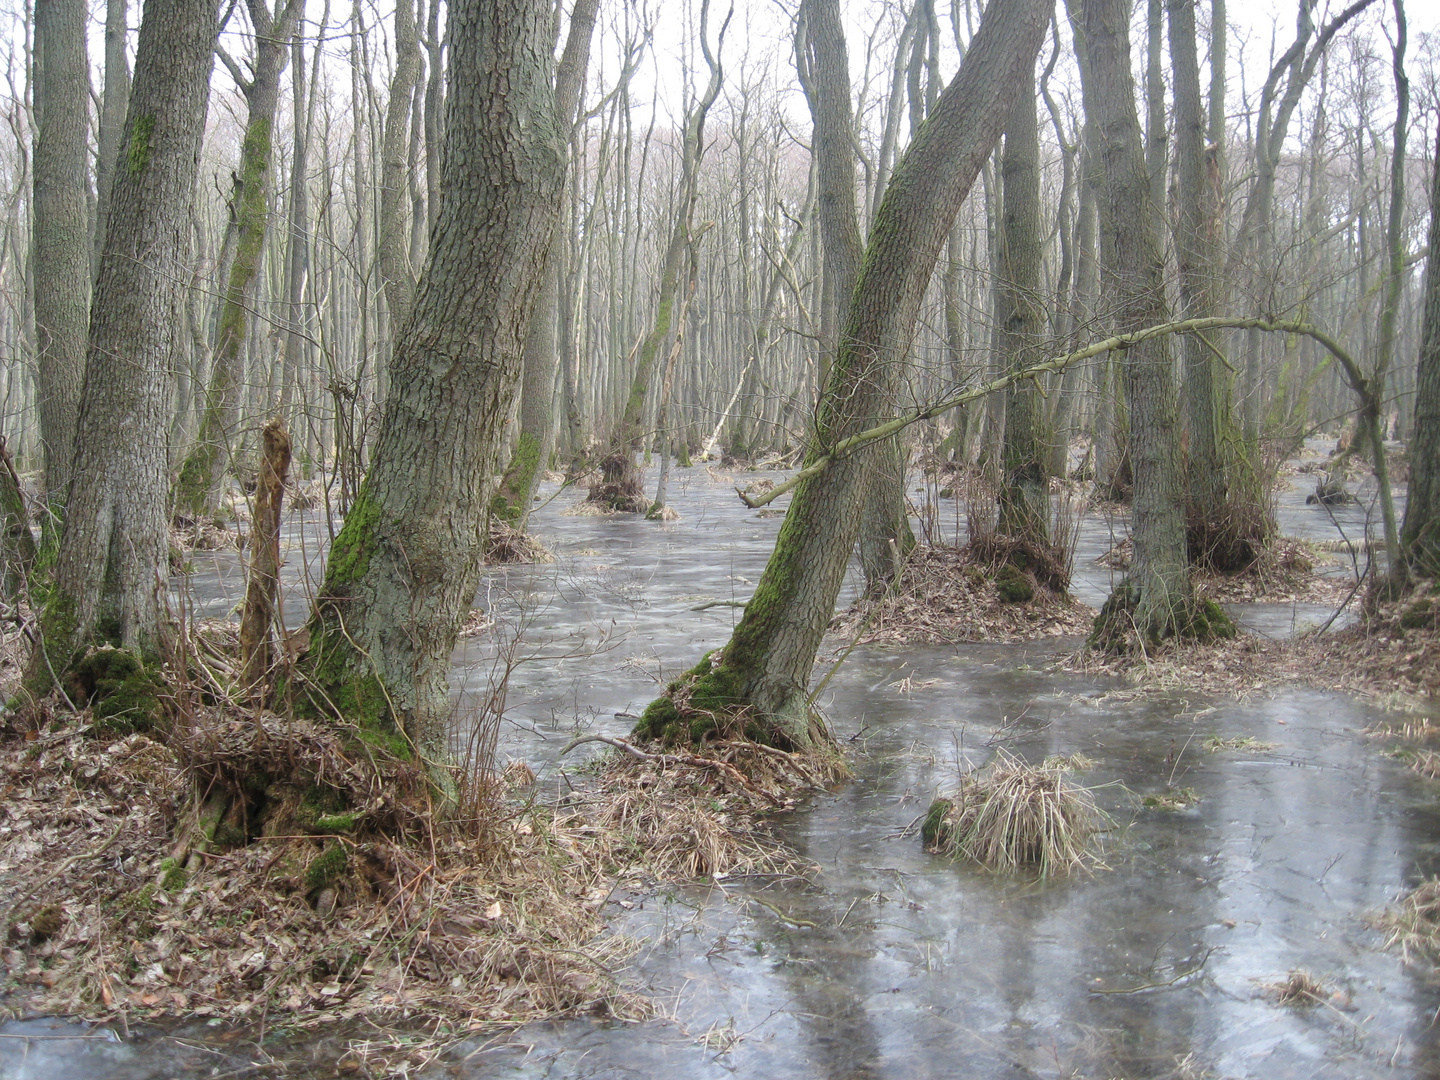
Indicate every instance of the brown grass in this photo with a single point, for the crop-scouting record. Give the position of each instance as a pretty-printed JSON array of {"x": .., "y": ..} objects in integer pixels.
[
  {"x": 1299, "y": 989},
  {"x": 1412, "y": 925},
  {"x": 948, "y": 594},
  {"x": 1010, "y": 816}
]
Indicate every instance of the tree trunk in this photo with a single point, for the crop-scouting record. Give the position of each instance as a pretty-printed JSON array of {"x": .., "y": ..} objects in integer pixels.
[
  {"x": 113, "y": 105},
  {"x": 17, "y": 558},
  {"x": 1025, "y": 494},
  {"x": 766, "y": 665},
  {"x": 532, "y": 450},
  {"x": 61, "y": 249},
  {"x": 262, "y": 588},
  {"x": 1157, "y": 599},
  {"x": 1420, "y": 538},
  {"x": 392, "y": 256},
  {"x": 113, "y": 563},
  {"x": 202, "y": 476},
  {"x": 403, "y": 571}
]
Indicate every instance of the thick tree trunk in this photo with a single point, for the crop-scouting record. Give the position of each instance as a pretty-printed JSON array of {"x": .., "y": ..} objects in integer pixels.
[
  {"x": 1157, "y": 599},
  {"x": 1025, "y": 495},
  {"x": 202, "y": 476},
  {"x": 61, "y": 231},
  {"x": 403, "y": 571},
  {"x": 112, "y": 567},
  {"x": 766, "y": 665},
  {"x": 1420, "y": 538}
]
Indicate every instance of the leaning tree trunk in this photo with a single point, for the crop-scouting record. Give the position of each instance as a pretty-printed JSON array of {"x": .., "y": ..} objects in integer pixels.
[
  {"x": 1420, "y": 539},
  {"x": 764, "y": 670},
  {"x": 112, "y": 567},
  {"x": 113, "y": 105},
  {"x": 1157, "y": 599},
  {"x": 60, "y": 253},
  {"x": 823, "y": 64},
  {"x": 201, "y": 481},
  {"x": 403, "y": 571},
  {"x": 1025, "y": 495}
]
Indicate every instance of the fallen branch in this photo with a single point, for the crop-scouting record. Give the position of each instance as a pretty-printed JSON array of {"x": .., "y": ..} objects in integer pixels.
[{"x": 846, "y": 447}]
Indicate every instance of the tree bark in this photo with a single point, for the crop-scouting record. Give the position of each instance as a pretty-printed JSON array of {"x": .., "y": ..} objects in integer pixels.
[
  {"x": 61, "y": 233},
  {"x": 18, "y": 556},
  {"x": 531, "y": 455},
  {"x": 113, "y": 105},
  {"x": 403, "y": 571},
  {"x": 392, "y": 250},
  {"x": 112, "y": 566},
  {"x": 1025, "y": 495},
  {"x": 1157, "y": 599},
  {"x": 766, "y": 665},
  {"x": 1420, "y": 538},
  {"x": 262, "y": 587}
]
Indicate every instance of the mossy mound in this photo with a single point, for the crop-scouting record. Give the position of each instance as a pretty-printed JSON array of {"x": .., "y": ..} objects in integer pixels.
[
  {"x": 702, "y": 704},
  {"x": 123, "y": 693},
  {"x": 1115, "y": 627},
  {"x": 1014, "y": 586}
]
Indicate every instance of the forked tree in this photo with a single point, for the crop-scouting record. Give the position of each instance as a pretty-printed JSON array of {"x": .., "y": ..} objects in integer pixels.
[
  {"x": 762, "y": 674},
  {"x": 113, "y": 563}
]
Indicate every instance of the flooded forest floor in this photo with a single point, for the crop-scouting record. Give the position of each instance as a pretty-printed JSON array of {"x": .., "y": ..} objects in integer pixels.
[{"x": 1266, "y": 800}]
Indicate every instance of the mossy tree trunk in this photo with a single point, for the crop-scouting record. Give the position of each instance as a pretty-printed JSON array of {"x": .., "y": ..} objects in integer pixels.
[
  {"x": 536, "y": 440},
  {"x": 1420, "y": 538},
  {"x": 1025, "y": 495},
  {"x": 17, "y": 556},
  {"x": 404, "y": 569},
  {"x": 202, "y": 475},
  {"x": 764, "y": 670},
  {"x": 1157, "y": 599},
  {"x": 61, "y": 231},
  {"x": 113, "y": 562}
]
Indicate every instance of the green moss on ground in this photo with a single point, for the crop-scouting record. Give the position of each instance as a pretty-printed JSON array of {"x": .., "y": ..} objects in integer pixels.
[
  {"x": 1014, "y": 585},
  {"x": 121, "y": 690},
  {"x": 327, "y": 867},
  {"x": 932, "y": 828}
]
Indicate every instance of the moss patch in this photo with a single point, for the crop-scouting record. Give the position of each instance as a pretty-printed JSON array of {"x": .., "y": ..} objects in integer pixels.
[
  {"x": 327, "y": 867},
  {"x": 1014, "y": 585},
  {"x": 122, "y": 691}
]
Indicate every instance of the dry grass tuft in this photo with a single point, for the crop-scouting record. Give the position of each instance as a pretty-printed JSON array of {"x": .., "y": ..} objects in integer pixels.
[
  {"x": 1299, "y": 989},
  {"x": 205, "y": 534},
  {"x": 1412, "y": 925},
  {"x": 1010, "y": 816},
  {"x": 506, "y": 544}
]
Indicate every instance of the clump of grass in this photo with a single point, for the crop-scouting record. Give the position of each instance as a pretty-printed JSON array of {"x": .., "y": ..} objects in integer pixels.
[
  {"x": 1076, "y": 762},
  {"x": 1215, "y": 743},
  {"x": 1412, "y": 926},
  {"x": 1010, "y": 816},
  {"x": 1172, "y": 799},
  {"x": 1299, "y": 989}
]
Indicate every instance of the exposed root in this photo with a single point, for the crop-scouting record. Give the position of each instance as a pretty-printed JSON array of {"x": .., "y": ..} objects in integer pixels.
[
  {"x": 1009, "y": 816},
  {"x": 619, "y": 488},
  {"x": 946, "y": 595},
  {"x": 506, "y": 544}
]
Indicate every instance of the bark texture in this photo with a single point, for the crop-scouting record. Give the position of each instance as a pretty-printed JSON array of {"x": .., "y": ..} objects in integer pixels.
[
  {"x": 113, "y": 561},
  {"x": 1025, "y": 495},
  {"x": 1420, "y": 539},
  {"x": 262, "y": 586},
  {"x": 1157, "y": 599},
  {"x": 403, "y": 571},
  {"x": 766, "y": 665},
  {"x": 537, "y": 390},
  {"x": 61, "y": 231}
]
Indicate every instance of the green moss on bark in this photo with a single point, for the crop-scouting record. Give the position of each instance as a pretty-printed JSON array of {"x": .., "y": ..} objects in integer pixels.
[{"x": 510, "y": 501}]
